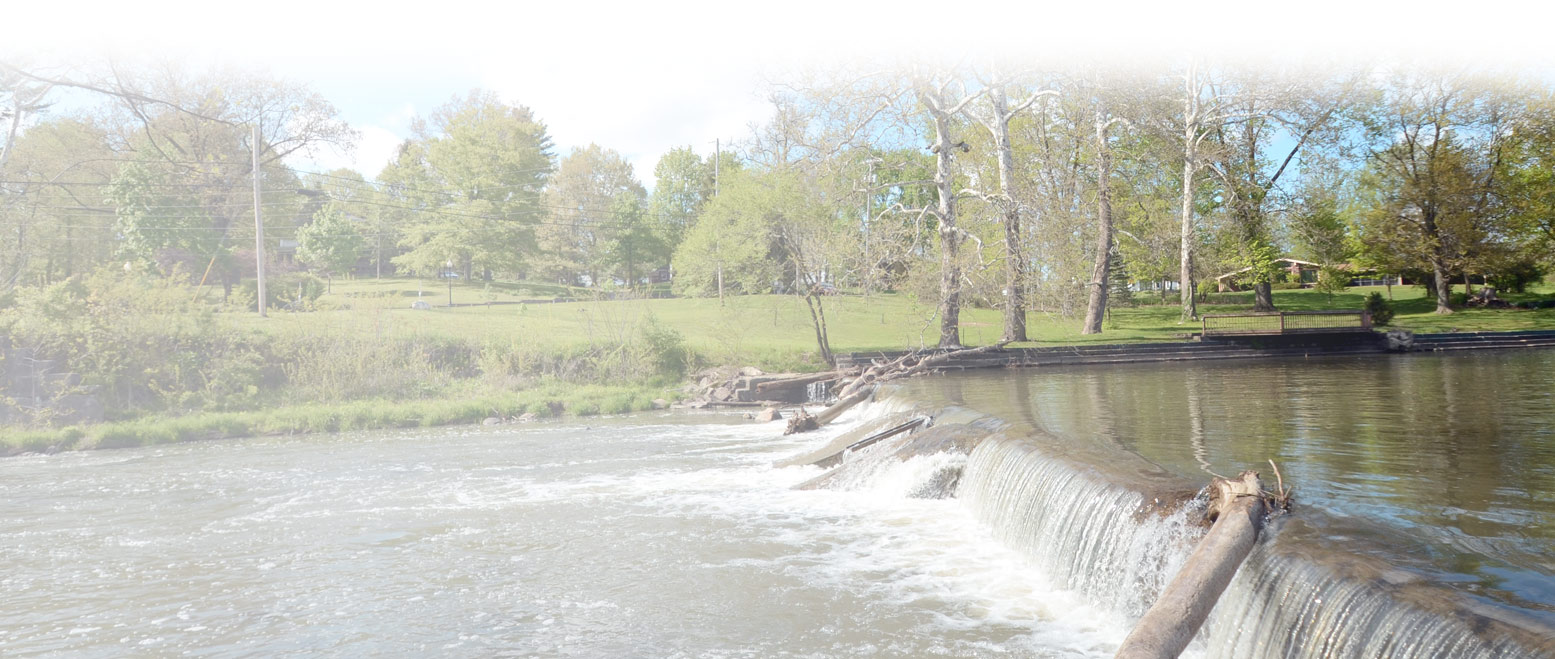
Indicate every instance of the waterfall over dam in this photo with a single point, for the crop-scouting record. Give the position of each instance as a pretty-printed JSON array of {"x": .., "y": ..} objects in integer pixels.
[{"x": 1101, "y": 520}]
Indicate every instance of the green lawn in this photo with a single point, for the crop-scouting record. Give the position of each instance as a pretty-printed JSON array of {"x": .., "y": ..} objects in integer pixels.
[{"x": 776, "y": 329}]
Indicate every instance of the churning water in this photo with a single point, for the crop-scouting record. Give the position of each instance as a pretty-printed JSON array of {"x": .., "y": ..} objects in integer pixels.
[
  {"x": 636, "y": 537},
  {"x": 676, "y": 536}
]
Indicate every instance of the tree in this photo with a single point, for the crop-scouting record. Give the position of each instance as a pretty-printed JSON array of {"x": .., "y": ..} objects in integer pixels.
[
  {"x": 938, "y": 97},
  {"x": 468, "y": 187},
  {"x": 53, "y": 219},
  {"x": 1096, "y": 307},
  {"x": 996, "y": 118},
  {"x": 683, "y": 185},
  {"x": 634, "y": 242},
  {"x": 1438, "y": 142},
  {"x": 582, "y": 197},
  {"x": 330, "y": 242},
  {"x": 358, "y": 198},
  {"x": 728, "y": 246}
]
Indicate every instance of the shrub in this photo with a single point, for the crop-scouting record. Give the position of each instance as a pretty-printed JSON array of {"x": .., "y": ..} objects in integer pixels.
[
  {"x": 1516, "y": 277},
  {"x": 1206, "y": 288},
  {"x": 1380, "y": 308},
  {"x": 296, "y": 291}
]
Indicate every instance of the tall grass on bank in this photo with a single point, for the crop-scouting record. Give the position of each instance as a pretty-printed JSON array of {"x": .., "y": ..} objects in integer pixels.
[{"x": 545, "y": 401}]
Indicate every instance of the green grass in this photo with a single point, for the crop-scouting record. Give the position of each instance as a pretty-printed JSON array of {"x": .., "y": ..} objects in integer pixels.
[
  {"x": 774, "y": 331},
  {"x": 547, "y": 400}
]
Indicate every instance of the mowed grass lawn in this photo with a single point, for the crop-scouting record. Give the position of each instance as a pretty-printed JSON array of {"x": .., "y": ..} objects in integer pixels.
[{"x": 777, "y": 328}]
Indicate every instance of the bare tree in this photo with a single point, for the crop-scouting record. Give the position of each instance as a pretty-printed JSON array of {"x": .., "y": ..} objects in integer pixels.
[
  {"x": 943, "y": 97},
  {"x": 996, "y": 118},
  {"x": 1096, "y": 307}
]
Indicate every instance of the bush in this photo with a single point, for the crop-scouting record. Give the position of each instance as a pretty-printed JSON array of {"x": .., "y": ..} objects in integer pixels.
[
  {"x": 1516, "y": 277},
  {"x": 1206, "y": 288},
  {"x": 1285, "y": 286},
  {"x": 1380, "y": 308},
  {"x": 296, "y": 291}
]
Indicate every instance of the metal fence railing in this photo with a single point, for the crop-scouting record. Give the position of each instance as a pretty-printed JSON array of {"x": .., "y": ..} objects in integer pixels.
[{"x": 1285, "y": 322}]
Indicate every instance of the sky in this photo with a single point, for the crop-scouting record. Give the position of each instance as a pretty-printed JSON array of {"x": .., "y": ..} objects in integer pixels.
[{"x": 642, "y": 78}]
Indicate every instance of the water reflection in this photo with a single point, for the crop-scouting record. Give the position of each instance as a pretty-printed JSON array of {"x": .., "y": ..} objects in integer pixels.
[{"x": 1441, "y": 464}]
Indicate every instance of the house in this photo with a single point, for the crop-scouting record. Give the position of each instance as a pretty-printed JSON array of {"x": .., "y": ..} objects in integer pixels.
[{"x": 1304, "y": 272}]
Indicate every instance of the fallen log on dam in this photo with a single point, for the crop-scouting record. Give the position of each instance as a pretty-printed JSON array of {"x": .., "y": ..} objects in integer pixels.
[{"x": 1237, "y": 511}]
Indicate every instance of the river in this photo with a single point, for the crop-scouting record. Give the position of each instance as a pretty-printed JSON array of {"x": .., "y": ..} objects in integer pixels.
[
  {"x": 646, "y": 536},
  {"x": 673, "y": 535}
]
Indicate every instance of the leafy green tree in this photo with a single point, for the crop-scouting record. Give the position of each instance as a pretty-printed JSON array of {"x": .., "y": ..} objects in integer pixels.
[
  {"x": 153, "y": 216},
  {"x": 635, "y": 242},
  {"x": 684, "y": 183},
  {"x": 55, "y": 221},
  {"x": 330, "y": 242},
  {"x": 727, "y": 249},
  {"x": 1331, "y": 280},
  {"x": 468, "y": 187},
  {"x": 1430, "y": 186},
  {"x": 575, "y": 242}
]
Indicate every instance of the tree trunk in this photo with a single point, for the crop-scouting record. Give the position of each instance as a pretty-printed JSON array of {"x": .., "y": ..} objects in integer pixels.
[
  {"x": 1190, "y": 163},
  {"x": 1438, "y": 262},
  {"x": 1165, "y": 630},
  {"x": 950, "y": 237},
  {"x": 1443, "y": 286},
  {"x": 1263, "y": 296},
  {"x": 1190, "y": 310},
  {"x": 1096, "y": 308},
  {"x": 1014, "y": 263},
  {"x": 818, "y": 320}
]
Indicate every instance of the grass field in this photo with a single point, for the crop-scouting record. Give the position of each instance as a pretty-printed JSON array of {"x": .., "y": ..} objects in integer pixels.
[
  {"x": 775, "y": 330},
  {"x": 772, "y": 332}
]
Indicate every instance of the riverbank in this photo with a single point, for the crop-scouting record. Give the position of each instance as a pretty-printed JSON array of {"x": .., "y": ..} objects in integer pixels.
[
  {"x": 113, "y": 360},
  {"x": 544, "y": 402}
]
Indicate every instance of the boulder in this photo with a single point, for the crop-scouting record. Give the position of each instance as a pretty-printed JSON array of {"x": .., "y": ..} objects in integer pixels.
[
  {"x": 421, "y": 304},
  {"x": 768, "y": 415},
  {"x": 751, "y": 371},
  {"x": 491, "y": 421},
  {"x": 660, "y": 403},
  {"x": 722, "y": 394}
]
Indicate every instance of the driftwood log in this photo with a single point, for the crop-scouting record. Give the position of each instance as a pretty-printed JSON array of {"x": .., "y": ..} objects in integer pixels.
[
  {"x": 1237, "y": 509},
  {"x": 858, "y": 389}
]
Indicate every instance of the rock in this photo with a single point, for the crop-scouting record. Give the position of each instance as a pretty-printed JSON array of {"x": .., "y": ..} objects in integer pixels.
[
  {"x": 1400, "y": 340},
  {"x": 751, "y": 371},
  {"x": 697, "y": 404},
  {"x": 421, "y": 304},
  {"x": 706, "y": 381},
  {"x": 722, "y": 394},
  {"x": 660, "y": 403},
  {"x": 491, "y": 421},
  {"x": 768, "y": 415},
  {"x": 527, "y": 417}
]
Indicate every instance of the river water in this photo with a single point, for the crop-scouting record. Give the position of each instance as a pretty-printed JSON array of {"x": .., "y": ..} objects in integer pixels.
[
  {"x": 675, "y": 536},
  {"x": 646, "y": 536},
  {"x": 1443, "y": 465}
]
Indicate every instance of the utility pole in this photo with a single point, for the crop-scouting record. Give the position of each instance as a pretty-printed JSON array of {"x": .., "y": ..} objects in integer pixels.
[
  {"x": 869, "y": 194},
  {"x": 259, "y": 223}
]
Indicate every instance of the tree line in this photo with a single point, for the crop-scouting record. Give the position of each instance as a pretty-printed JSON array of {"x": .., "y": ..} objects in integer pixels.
[{"x": 1049, "y": 188}]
